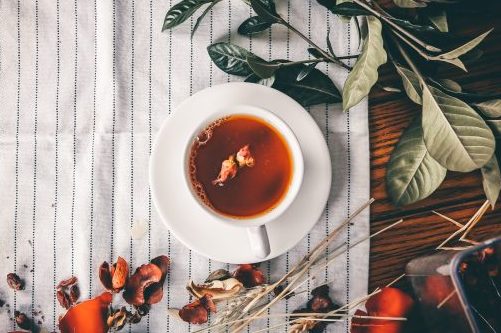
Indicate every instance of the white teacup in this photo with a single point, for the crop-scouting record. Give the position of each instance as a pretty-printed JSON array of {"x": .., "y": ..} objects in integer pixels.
[{"x": 255, "y": 225}]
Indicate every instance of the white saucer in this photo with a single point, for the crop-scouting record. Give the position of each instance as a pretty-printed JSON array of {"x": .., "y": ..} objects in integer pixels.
[{"x": 193, "y": 225}]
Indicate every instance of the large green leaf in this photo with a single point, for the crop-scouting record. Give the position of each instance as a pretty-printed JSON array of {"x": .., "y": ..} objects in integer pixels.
[
  {"x": 231, "y": 58},
  {"x": 409, "y": 3},
  {"x": 459, "y": 51},
  {"x": 262, "y": 68},
  {"x": 201, "y": 17},
  {"x": 411, "y": 84},
  {"x": 439, "y": 20},
  {"x": 181, "y": 11},
  {"x": 364, "y": 74},
  {"x": 455, "y": 135},
  {"x": 345, "y": 8},
  {"x": 253, "y": 25},
  {"x": 266, "y": 11},
  {"x": 412, "y": 174},
  {"x": 491, "y": 108},
  {"x": 491, "y": 180},
  {"x": 315, "y": 88}
]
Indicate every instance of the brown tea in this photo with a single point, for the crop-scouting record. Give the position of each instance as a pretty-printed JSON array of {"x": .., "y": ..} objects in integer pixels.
[{"x": 240, "y": 166}]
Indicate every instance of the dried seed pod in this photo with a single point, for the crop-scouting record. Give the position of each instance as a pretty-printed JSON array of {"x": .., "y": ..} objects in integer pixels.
[
  {"x": 163, "y": 263},
  {"x": 15, "y": 282}
]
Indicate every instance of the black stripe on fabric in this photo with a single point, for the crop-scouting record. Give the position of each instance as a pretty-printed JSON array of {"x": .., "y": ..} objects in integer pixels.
[
  {"x": 348, "y": 197},
  {"x": 132, "y": 59},
  {"x": 150, "y": 52},
  {"x": 35, "y": 146},
  {"x": 211, "y": 69},
  {"x": 268, "y": 266},
  {"x": 56, "y": 162},
  {"x": 114, "y": 107},
  {"x": 191, "y": 92},
  {"x": 18, "y": 111},
  {"x": 93, "y": 139},
  {"x": 327, "y": 19},
  {"x": 73, "y": 175}
]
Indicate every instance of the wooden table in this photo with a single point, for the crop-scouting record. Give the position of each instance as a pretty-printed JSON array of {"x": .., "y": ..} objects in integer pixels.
[{"x": 460, "y": 195}]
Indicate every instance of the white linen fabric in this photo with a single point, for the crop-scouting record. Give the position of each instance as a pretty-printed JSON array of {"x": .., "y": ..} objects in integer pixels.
[{"x": 84, "y": 87}]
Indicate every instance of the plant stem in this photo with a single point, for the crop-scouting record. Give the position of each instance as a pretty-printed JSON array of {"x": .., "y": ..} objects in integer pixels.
[
  {"x": 319, "y": 49},
  {"x": 410, "y": 62},
  {"x": 317, "y": 60},
  {"x": 395, "y": 26}
]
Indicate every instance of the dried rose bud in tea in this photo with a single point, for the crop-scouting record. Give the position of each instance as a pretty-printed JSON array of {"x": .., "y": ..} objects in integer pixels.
[
  {"x": 228, "y": 171},
  {"x": 244, "y": 157}
]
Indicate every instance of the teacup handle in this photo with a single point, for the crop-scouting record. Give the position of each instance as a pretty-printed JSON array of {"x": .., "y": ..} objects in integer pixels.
[{"x": 259, "y": 241}]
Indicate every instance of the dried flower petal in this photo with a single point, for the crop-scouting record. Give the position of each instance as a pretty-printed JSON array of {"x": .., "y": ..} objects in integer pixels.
[
  {"x": 198, "y": 311},
  {"x": 319, "y": 303},
  {"x": 114, "y": 277},
  {"x": 15, "y": 282},
  {"x": 118, "y": 318},
  {"x": 244, "y": 157},
  {"x": 64, "y": 299},
  {"x": 163, "y": 263},
  {"x": 219, "y": 290},
  {"x": 228, "y": 171},
  {"x": 66, "y": 283},
  {"x": 74, "y": 293},
  {"x": 88, "y": 316},
  {"x": 22, "y": 320},
  {"x": 249, "y": 275},
  {"x": 220, "y": 274},
  {"x": 142, "y": 287}
]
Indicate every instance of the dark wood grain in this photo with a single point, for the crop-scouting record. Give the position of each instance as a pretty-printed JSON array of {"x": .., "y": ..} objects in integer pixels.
[{"x": 460, "y": 195}]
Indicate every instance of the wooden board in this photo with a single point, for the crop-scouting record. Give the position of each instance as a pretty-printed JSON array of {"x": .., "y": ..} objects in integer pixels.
[{"x": 460, "y": 195}]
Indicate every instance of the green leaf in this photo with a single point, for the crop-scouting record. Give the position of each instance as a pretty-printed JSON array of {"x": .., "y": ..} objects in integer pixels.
[
  {"x": 409, "y": 3},
  {"x": 201, "y": 17},
  {"x": 253, "y": 25},
  {"x": 364, "y": 74},
  {"x": 181, "y": 11},
  {"x": 262, "y": 68},
  {"x": 329, "y": 44},
  {"x": 253, "y": 78},
  {"x": 265, "y": 12},
  {"x": 439, "y": 20},
  {"x": 315, "y": 88},
  {"x": 411, "y": 26},
  {"x": 454, "y": 134},
  {"x": 346, "y": 9},
  {"x": 459, "y": 51},
  {"x": 411, "y": 84},
  {"x": 450, "y": 85},
  {"x": 491, "y": 109},
  {"x": 412, "y": 174},
  {"x": 231, "y": 58},
  {"x": 315, "y": 53},
  {"x": 491, "y": 180},
  {"x": 305, "y": 71}
]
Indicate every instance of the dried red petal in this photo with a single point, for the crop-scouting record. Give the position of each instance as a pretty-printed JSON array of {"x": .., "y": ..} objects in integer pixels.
[
  {"x": 198, "y": 311},
  {"x": 321, "y": 301},
  {"x": 88, "y": 316},
  {"x": 141, "y": 280},
  {"x": 64, "y": 299},
  {"x": 249, "y": 275},
  {"x": 114, "y": 277},
  {"x": 163, "y": 263},
  {"x": 66, "y": 283}
]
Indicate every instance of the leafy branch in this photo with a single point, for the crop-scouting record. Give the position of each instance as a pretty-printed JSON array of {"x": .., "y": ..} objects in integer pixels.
[{"x": 456, "y": 130}]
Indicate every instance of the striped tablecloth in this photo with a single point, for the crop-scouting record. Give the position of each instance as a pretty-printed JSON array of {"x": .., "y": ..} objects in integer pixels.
[{"x": 84, "y": 87}]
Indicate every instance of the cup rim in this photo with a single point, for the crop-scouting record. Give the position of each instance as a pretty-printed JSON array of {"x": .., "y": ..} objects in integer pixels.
[{"x": 297, "y": 157}]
